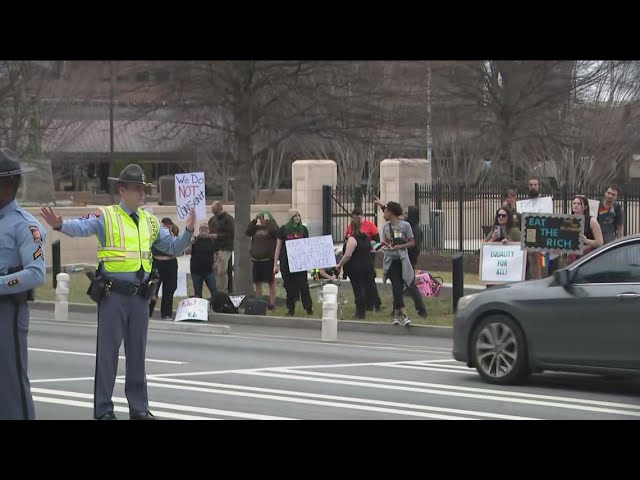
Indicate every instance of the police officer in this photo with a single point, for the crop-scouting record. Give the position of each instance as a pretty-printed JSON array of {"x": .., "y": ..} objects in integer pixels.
[
  {"x": 126, "y": 235},
  {"x": 21, "y": 251}
]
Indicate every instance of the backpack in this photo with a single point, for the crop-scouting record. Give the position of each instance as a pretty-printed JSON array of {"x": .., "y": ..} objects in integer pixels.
[
  {"x": 221, "y": 303},
  {"x": 427, "y": 285}
]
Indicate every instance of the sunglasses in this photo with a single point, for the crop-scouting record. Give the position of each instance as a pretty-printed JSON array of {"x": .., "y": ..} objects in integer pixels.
[{"x": 502, "y": 215}]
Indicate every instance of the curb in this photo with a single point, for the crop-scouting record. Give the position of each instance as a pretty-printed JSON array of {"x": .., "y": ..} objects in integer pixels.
[
  {"x": 221, "y": 320},
  {"x": 157, "y": 325}
]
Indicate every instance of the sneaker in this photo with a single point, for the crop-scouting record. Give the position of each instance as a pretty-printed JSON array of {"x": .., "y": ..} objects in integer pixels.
[
  {"x": 406, "y": 321},
  {"x": 395, "y": 321},
  {"x": 423, "y": 313}
]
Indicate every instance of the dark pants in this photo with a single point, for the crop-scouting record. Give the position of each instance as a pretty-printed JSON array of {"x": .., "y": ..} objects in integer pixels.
[
  {"x": 297, "y": 286},
  {"x": 16, "y": 402},
  {"x": 198, "y": 280},
  {"x": 373, "y": 298},
  {"x": 121, "y": 317},
  {"x": 168, "y": 271},
  {"x": 397, "y": 284},
  {"x": 361, "y": 291}
]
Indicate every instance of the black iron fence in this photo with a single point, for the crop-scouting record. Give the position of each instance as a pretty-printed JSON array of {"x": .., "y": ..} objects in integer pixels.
[
  {"x": 339, "y": 202},
  {"x": 456, "y": 218}
]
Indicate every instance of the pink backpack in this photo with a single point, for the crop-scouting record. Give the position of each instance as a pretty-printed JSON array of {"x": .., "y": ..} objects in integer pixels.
[{"x": 427, "y": 285}]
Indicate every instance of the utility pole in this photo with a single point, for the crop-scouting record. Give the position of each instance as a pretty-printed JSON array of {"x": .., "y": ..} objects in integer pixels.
[
  {"x": 429, "y": 138},
  {"x": 112, "y": 85}
]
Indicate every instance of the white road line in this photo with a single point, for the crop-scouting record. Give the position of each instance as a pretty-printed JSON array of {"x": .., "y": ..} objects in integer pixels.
[
  {"x": 89, "y": 405},
  {"x": 212, "y": 389},
  {"x": 448, "y": 391},
  {"x": 68, "y": 379},
  {"x": 85, "y": 354},
  {"x": 466, "y": 371},
  {"x": 474, "y": 389},
  {"x": 168, "y": 406},
  {"x": 308, "y": 401}
]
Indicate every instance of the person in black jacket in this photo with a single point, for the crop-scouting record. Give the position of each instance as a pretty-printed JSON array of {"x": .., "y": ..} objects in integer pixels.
[
  {"x": 222, "y": 230},
  {"x": 202, "y": 251}
]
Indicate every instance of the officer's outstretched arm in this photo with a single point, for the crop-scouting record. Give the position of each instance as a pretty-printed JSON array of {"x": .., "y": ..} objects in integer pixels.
[
  {"x": 85, "y": 226},
  {"x": 173, "y": 245},
  {"x": 30, "y": 239}
]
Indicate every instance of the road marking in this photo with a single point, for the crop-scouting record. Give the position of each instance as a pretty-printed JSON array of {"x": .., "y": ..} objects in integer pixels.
[
  {"x": 308, "y": 401},
  {"x": 89, "y": 405},
  {"x": 85, "y": 354},
  {"x": 465, "y": 371},
  {"x": 368, "y": 401},
  {"x": 448, "y": 390},
  {"x": 168, "y": 406}
]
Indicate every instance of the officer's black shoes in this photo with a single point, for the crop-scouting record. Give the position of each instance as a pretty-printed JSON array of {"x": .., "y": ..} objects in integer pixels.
[
  {"x": 142, "y": 416},
  {"x": 107, "y": 416}
]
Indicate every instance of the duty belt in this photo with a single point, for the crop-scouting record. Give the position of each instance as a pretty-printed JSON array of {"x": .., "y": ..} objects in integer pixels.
[{"x": 126, "y": 288}]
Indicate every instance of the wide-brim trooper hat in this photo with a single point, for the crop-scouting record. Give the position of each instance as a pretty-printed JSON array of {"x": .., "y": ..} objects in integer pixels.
[
  {"x": 10, "y": 165},
  {"x": 132, "y": 174}
]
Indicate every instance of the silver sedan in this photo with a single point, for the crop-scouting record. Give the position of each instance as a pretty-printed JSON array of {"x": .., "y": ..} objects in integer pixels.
[{"x": 586, "y": 318}]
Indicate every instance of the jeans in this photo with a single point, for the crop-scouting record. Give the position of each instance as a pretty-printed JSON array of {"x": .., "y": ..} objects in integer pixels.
[{"x": 198, "y": 280}]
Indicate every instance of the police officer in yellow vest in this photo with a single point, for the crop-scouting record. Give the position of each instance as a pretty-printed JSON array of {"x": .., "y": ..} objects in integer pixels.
[{"x": 125, "y": 235}]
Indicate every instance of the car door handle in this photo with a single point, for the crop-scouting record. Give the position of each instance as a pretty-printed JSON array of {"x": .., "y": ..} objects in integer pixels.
[{"x": 628, "y": 296}]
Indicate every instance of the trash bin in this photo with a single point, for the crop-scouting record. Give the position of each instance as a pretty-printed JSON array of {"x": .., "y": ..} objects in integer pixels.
[{"x": 436, "y": 222}]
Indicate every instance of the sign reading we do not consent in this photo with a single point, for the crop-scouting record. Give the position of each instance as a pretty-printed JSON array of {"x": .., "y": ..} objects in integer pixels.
[{"x": 500, "y": 263}]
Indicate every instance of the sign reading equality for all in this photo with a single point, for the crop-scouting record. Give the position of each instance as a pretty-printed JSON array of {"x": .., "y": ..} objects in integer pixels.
[
  {"x": 190, "y": 193},
  {"x": 548, "y": 232},
  {"x": 305, "y": 254},
  {"x": 502, "y": 263}
]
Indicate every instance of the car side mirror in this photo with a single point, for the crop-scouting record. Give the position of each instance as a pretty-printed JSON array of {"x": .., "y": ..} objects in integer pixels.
[{"x": 562, "y": 277}]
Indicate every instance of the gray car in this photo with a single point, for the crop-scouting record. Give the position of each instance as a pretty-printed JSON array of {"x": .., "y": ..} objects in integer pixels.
[{"x": 586, "y": 318}]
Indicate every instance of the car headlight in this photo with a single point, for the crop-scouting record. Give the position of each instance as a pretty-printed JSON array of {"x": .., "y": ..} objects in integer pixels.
[{"x": 464, "y": 301}]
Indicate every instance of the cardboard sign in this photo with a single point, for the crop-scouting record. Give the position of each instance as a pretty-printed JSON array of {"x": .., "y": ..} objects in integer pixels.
[
  {"x": 548, "y": 232},
  {"x": 193, "y": 309},
  {"x": 236, "y": 299},
  {"x": 535, "y": 205},
  {"x": 190, "y": 194},
  {"x": 305, "y": 254},
  {"x": 500, "y": 263},
  {"x": 594, "y": 206}
]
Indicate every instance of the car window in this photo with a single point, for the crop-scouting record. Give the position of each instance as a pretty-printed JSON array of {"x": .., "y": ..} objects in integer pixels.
[{"x": 621, "y": 264}]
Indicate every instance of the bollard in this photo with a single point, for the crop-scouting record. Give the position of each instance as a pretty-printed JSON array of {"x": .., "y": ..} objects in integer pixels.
[
  {"x": 55, "y": 267},
  {"x": 62, "y": 297},
  {"x": 330, "y": 313},
  {"x": 458, "y": 279}
]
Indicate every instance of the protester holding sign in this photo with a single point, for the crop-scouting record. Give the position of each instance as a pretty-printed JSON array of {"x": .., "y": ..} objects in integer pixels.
[
  {"x": 201, "y": 264},
  {"x": 296, "y": 284},
  {"x": 222, "y": 231},
  {"x": 504, "y": 229},
  {"x": 592, "y": 237}
]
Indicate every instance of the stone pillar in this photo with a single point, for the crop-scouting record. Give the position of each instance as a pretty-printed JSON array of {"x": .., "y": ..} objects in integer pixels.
[
  {"x": 307, "y": 179},
  {"x": 398, "y": 177}
]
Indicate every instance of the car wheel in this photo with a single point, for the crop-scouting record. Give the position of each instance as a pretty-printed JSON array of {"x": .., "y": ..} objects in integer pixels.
[{"x": 499, "y": 350}]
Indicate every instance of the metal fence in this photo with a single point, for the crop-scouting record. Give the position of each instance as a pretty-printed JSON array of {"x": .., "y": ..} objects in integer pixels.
[
  {"x": 339, "y": 202},
  {"x": 452, "y": 217}
]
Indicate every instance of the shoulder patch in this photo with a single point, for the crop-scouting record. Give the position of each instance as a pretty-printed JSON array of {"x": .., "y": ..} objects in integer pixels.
[
  {"x": 35, "y": 233},
  {"x": 13, "y": 283},
  {"x": 38, "y": 253}
]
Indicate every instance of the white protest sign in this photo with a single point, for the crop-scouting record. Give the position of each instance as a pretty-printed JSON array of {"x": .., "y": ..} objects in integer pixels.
[
  {"x": 535, "y": 205},
  {"x": 594, "y": 206},
  {"x": 236, "y": 299},
  {"x": 501, "y": 263},
  {"x": 193, "y": 309},
  {"x": 305, "y": 254},
  {"x": 190, "y": 194}
]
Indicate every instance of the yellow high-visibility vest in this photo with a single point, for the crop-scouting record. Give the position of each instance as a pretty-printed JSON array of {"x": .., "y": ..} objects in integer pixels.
[{"x": 127, "y": 246}]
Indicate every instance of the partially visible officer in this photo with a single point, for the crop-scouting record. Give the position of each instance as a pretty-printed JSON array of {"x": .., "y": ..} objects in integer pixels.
[
  {"x": 22, "y": 252},
  {"x": 123, "y": 286}
]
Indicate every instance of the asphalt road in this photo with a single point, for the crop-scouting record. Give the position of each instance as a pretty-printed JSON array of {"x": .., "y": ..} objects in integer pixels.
[{"x": 276, "y": 373}]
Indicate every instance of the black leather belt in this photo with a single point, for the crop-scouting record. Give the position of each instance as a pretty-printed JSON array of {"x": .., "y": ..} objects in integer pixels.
[{"x": 127, "y": 288}]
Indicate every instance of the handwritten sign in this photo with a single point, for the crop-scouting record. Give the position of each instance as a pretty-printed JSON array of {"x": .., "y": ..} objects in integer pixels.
[
  {"x": 547, "y": 232},
  {"x": 501, "y": 263},
  {"x": 190, "y": 193},
  {"x": 236, "y": 300},
  {"x": 535, "y": 205},
  {"x": 305, "y": 254},
  {"x": 193, "y": 309},
  {"x": 594, "y": 205}
]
